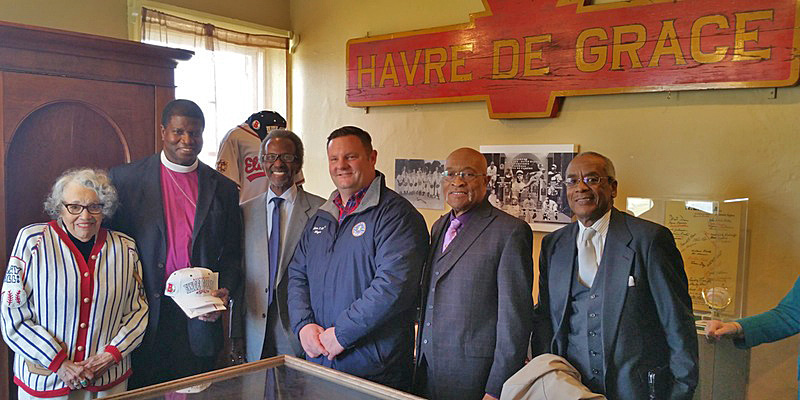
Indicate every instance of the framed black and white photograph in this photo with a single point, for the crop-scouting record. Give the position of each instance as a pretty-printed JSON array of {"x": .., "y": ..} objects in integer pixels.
[
  {"x": 527, "y": 181},
  {"x": 420, "y": 181}
]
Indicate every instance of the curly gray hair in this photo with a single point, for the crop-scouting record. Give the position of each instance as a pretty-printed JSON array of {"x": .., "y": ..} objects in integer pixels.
[{"x": 94, "y": 179}]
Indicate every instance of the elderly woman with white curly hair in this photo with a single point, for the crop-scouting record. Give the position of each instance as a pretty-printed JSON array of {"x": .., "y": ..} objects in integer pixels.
[{"x": 73, "y": 307}]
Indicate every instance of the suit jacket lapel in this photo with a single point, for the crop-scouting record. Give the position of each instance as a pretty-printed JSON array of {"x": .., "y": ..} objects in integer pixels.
[
  {"x": 151, "y": 187},
  {"x": 465, "y": 237},
  {"x": 260, "y": 237},
  {"x": 560, "y": 274},
  {"x": 437, "y": 235},
  {"x": 616, "y": 267},
  {"x": 297, "y": 221},
  {"x": 206, "y": 186}
]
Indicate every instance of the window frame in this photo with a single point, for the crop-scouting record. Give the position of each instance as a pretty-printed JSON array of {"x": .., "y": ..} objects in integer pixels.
[{"x": 135, "y": 33}]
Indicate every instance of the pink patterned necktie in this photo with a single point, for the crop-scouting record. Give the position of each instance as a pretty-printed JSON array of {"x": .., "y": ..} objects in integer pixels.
[{"x": 451, "y": 233}]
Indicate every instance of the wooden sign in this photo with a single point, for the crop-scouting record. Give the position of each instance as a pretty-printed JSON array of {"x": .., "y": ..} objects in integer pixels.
[{"x": 523, "y": 56}]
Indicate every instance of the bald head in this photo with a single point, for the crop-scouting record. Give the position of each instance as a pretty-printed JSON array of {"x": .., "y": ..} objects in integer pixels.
[
  {"x": 465, "y": 185},
  {"x": 469, "y": 156}
]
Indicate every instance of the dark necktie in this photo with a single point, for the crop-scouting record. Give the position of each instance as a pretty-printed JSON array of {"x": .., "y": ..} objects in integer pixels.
[{"x": 274, "y": 247}]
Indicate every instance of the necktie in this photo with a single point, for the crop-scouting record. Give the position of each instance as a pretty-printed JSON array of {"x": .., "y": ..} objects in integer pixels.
[
  {"x": 587, "y": 258},
  {"x": 274, "y": 246},
  {"x": 452, "y": 230}
]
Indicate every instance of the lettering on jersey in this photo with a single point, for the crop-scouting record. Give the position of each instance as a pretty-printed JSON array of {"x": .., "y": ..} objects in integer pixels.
[
  {"x": 318, "y": 229},
  {"x": 13, "y": 275},
  {"x": 14, "y": 294},
  {"x": 252, "y": 169},
  {"x": 359, "y": 229}
]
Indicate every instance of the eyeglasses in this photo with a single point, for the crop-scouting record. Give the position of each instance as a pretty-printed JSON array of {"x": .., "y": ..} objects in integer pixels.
[
  {"x": 465, "y": 176},
  {"x": 588, "y": 180},
  {"x": 77, "y": 209},
  {"x": 285, "y": 157}
]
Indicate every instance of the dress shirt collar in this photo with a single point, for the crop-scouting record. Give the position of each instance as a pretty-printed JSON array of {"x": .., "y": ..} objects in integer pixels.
[
  {"x": 600, "y": 226},
  {"x": 177, "y": 167},
  {"x": 289, "y": 195},
  {"x": 463, "y": 218}
]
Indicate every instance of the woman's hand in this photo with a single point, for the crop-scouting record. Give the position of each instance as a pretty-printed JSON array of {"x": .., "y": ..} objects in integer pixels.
[
  {"x": 716, "y": 330},
  {"x": 74, "y": 375},
  {"x": 98, "y": 364}
]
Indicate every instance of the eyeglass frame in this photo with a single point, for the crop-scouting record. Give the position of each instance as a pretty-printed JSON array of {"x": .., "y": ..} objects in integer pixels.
[
  {"x": 586, "y": 180},
  {"x": 83, "y": 207},
  {"x": 450, "y": 176},
  {"x": 265, "y": 159}
]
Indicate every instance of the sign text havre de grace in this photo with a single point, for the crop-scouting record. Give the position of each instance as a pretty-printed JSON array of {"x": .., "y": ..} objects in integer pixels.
[{"x": 523, "y": 56}]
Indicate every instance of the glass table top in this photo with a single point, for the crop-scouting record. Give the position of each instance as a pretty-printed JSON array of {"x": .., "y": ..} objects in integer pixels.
[{"x": 281, "y": 377}]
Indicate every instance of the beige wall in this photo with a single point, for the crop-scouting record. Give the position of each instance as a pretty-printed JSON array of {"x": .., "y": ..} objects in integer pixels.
[
  {"x": 731, "y": 143},
  {"x": 108, "y": 17}
]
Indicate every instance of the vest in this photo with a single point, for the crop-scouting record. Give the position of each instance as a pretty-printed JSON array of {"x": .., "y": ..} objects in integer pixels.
[{"x": 585, "y": 337}]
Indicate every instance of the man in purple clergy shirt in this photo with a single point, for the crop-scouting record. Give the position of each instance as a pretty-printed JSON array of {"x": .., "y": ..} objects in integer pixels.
[{"x": 182, "y": 213}]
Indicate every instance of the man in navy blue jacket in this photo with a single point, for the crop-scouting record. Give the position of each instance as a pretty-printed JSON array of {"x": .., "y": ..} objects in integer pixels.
[{"x": 355, "y": 274}]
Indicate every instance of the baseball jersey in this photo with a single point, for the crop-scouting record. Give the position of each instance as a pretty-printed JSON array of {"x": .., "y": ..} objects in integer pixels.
[
  {"x": 238, "y": 160},
  {"x": 56, "y": 306}
]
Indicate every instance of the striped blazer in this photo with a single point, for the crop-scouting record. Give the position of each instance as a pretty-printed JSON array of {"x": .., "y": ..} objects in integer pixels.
[{"x": 56, "y": 306}]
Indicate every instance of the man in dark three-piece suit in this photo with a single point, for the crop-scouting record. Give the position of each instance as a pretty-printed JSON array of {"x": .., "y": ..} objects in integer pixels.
[
  {"x": 182, "y": 213},
  {"x": 476, "y": 314},
  {"x": 273, "y": 222},
  {"x": 613, "y": 296}
]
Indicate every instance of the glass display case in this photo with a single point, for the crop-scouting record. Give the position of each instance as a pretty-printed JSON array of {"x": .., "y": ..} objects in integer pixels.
[
  {"x": 711, "y": 235},
  {"x": 282, "y": 377}
]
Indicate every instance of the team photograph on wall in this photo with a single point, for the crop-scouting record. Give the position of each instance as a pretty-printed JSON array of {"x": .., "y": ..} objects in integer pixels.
[
  {"x": 420, "y": 182},
  {"x": 527, "y": 182}
]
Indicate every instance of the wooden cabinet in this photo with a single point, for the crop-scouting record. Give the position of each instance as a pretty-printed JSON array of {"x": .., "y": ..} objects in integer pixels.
[{"x": 70, "y": 100}]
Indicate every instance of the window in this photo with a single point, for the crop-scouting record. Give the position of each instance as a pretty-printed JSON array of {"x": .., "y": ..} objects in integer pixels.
[{"x": 232, "y": 74}]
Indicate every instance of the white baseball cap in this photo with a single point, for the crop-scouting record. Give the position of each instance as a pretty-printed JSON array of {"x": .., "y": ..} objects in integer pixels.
[{"x": 191, "y": 289}]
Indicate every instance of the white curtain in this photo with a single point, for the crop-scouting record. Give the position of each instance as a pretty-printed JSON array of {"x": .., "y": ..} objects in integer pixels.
[{"x": 232, "y": 74}]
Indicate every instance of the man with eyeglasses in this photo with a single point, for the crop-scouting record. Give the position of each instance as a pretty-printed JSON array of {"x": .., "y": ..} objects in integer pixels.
[
  {"x": 237, "y": 157},
  {"x": 273, "y": 223},
  {"x": 182, "y": 213},
  {"x": 476, "y": 310},
  {"x": 613, "y": 295},
  {"x": 354, "y": 278}
]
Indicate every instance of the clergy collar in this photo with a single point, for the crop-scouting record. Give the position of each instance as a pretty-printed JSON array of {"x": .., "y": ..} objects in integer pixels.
[{"x": 182, "y": 169}]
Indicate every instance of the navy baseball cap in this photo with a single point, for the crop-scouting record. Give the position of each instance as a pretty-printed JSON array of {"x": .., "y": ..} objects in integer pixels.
[{"x": 259, "y": 122}]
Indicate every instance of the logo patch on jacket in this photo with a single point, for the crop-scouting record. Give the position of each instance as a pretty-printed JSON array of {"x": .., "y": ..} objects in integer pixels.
[
  {"x": 359, "y": 229},
  {"x": 14, "y": 294},
  {"x": 222, "y": 165},
  {"x": 318, "y": 229}
]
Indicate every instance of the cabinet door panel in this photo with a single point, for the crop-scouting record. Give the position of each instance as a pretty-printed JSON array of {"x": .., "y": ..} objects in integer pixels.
[{"x": 52, "y": 124}]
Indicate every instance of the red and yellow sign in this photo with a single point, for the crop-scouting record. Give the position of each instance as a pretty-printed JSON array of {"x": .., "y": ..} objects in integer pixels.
[{"x": 523, "y": 56}]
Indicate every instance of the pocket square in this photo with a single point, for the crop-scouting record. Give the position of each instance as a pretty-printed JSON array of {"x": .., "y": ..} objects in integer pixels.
[{"x": 631, "y": 281}]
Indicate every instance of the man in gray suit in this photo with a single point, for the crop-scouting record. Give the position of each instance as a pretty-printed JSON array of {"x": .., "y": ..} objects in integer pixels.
[
  {"x": 273, "y": 222},
  {"x": 477, "y": 303},
  {"x": 613, "y": 296}
]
